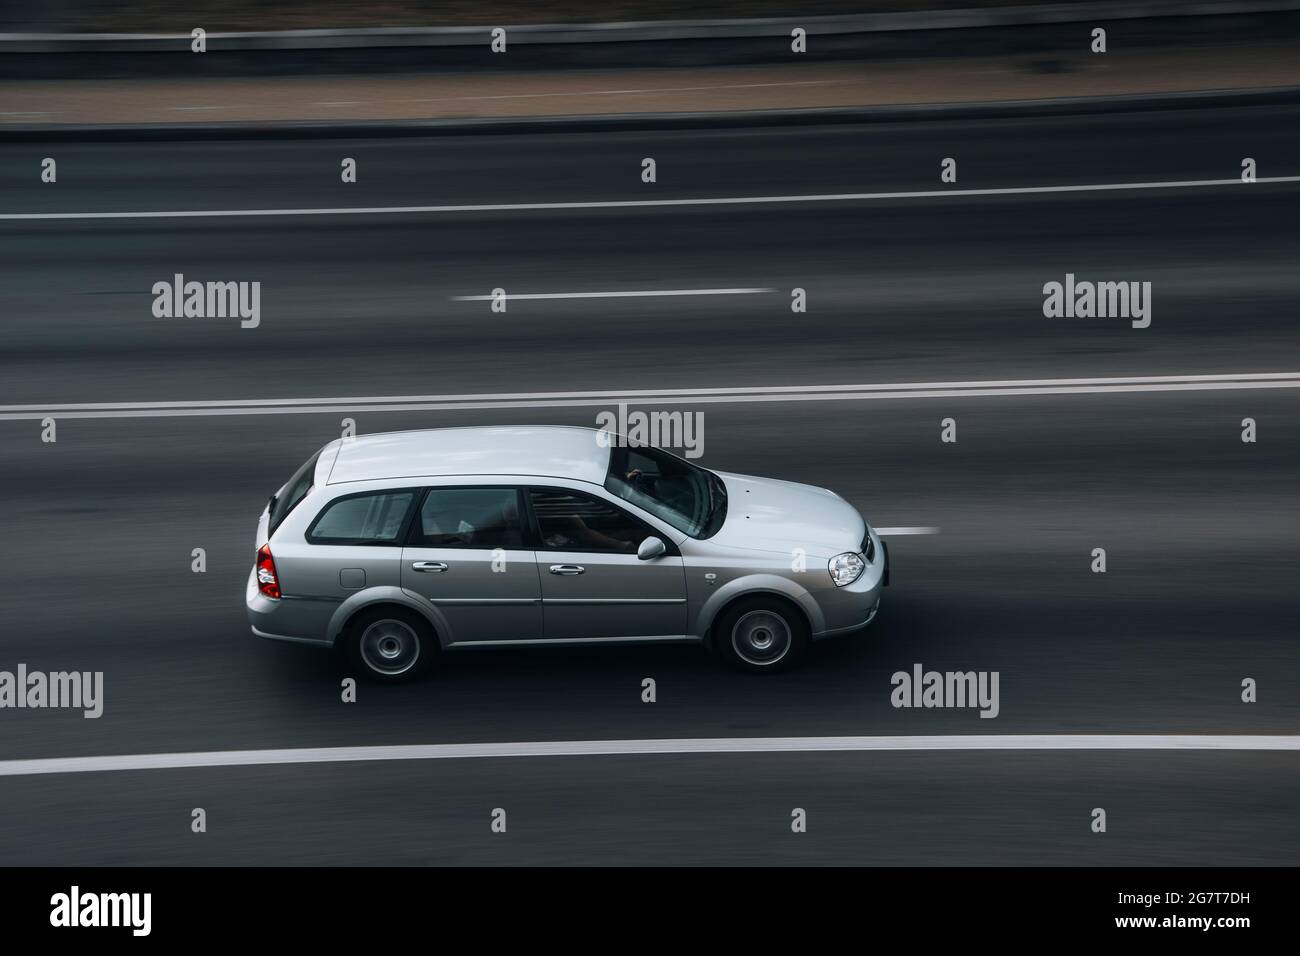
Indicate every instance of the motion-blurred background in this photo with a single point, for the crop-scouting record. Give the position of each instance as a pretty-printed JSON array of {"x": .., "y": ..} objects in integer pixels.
[{"x": 908, "y": 287}]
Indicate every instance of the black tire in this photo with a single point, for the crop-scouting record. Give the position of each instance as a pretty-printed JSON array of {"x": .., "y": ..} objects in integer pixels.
[
  {"x": 390, "y": 645},
  {"x": 761, "y": 635}
]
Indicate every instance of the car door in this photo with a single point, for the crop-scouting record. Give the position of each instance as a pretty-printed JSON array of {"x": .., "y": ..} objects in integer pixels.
[
  {"x": 593, "y": 584},
  {"x": 468, "y": 555}
]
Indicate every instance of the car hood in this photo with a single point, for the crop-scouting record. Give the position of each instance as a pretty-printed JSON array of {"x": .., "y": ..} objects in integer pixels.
[{"x": 771, "y": 515}]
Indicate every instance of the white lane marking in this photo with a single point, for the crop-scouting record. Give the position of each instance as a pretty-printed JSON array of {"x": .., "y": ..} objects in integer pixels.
[
  {"x": 645, "y": 203},
  {"x": 608, "y": 295},
  {"x": 659, "y": 394},
  {"x": 893, "y": 532},
  {"x": 676, "y": 746},
  {"x": 707, "y": 396}
]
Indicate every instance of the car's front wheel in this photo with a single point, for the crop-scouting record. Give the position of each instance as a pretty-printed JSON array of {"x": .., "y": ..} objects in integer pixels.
[
  {"x": 390, "y": 644},
  {"x": 761, "y": 635}
]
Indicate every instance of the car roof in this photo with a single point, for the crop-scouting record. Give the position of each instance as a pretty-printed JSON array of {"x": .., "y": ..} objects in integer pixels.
[{"x": 547, "y": 451}]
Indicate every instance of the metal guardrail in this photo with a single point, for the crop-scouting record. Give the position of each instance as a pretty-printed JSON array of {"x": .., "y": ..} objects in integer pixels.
[{"x": 644, "y": 32}]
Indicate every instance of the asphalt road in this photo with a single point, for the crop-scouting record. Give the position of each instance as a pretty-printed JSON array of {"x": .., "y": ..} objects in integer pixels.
[{"x": 1200, "y": 529}]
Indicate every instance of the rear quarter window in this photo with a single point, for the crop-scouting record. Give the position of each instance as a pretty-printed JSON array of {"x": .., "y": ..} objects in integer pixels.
[{"x": 378, "y": 517}]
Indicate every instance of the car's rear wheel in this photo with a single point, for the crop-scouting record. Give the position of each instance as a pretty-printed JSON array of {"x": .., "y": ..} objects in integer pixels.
[
  {"x": 761, "y": 635},
  {"x": 391, "y": 645}
]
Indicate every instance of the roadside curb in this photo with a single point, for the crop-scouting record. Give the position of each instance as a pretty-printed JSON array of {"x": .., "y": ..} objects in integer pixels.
[{"x": 632, "y": 122}]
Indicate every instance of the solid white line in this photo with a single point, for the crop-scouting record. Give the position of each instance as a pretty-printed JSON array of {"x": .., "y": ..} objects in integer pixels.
[
  {"x": 675, "y": 746},
  {"x": 607, "y": 295},
  {"x": 707, "y": 396},
  {"x": 650, "y": 395},
  {"x": 644, "y": 203},
  {"x": 38, "y": 411},
  {"x": 893, "y": 532}
]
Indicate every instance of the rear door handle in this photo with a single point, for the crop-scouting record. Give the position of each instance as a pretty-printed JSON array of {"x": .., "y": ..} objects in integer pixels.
[
  {"x": 567, "y": 569},
  {"x": 429, "y": 567}
]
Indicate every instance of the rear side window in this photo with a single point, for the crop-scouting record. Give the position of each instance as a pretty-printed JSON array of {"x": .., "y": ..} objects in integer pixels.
[
  {"x": 294, "y": 490},
  {"x": 470, "y": 518},
  {"x": 374, "y": 518}
]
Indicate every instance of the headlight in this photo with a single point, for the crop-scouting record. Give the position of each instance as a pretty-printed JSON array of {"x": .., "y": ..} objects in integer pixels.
[{"x": 846, "y": 568}]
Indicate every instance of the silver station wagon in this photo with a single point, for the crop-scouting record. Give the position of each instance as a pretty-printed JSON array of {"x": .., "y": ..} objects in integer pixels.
[{"x": 396, "y": 546}]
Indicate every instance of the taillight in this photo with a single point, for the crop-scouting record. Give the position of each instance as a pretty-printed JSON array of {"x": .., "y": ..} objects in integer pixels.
[{"x": 267, "y": 581}]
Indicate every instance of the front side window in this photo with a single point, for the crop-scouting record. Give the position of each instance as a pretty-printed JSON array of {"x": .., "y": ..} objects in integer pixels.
[
  {"x": 569, "y": 521},
  {"x": 470, "y": 518},
  {"x": 375, "y": 518}
]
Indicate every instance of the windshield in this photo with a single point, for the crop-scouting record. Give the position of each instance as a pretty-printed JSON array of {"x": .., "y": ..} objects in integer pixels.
[{"x": 690, "y": 498}]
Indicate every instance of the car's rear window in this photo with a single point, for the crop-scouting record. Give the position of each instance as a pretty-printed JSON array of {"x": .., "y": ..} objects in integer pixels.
[{"x": 294, "y": 490}]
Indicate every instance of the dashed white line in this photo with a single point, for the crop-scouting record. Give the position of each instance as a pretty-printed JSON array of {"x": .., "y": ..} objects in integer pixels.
[
  {"x": 894, "y": 532},
  {"x": 609, "y": 295},
  {"x": 646, "y": 203},
  {"x": 669, "y": 746},
  {"x": 679, "y": 396}
]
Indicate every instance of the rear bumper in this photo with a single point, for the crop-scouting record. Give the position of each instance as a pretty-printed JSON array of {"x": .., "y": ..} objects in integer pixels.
[
  {"x": 302, "y": 622},
  {"x": 257, "y": 632}
]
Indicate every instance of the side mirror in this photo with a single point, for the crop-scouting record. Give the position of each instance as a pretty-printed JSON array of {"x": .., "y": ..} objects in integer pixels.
[{"x": 651, "y": 548}]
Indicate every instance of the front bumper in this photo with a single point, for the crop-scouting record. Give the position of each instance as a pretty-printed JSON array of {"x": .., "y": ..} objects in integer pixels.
[{"x": 855, "y": 605}]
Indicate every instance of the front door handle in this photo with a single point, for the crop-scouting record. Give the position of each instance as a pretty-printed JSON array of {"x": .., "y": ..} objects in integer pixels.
[
  {"x": 567, "y": 569},
  {"x": 430, "y": 567}
]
